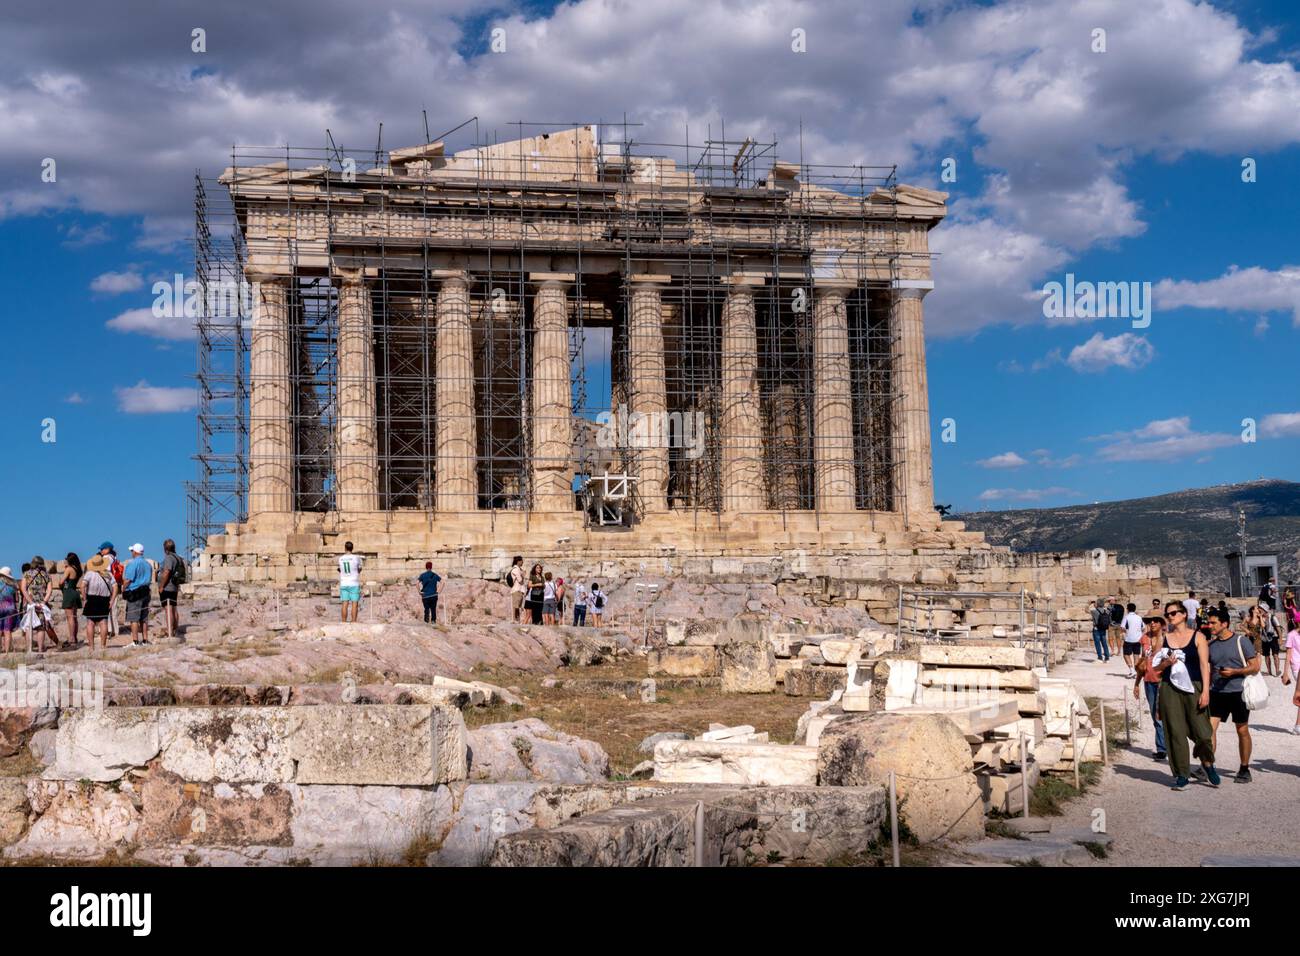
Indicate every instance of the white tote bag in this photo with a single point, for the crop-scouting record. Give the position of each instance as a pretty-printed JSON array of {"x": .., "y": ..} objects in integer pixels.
[{"x": 1254, "y": 690}]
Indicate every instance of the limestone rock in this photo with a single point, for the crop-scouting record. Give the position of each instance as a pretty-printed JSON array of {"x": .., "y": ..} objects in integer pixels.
[
  {"x": 815, "y": 681},
  {"x": 684, "y": 661},
  {"x": 13, "y": 809},
  {"x": 102, "y": 745},
  {"x": 80, "y": 822},
  {"x": 17, "y": 724},
  {"x": 228, "y": 744},
  {"x": 347, "y": 824},
  {"x": 747, "y": 667},
  {"x": 939, "y": 796},
  {"x": 383, "y": 744},
  {"x": 529, "y": 750},
  {"x": 174, "y": 811},
  {"x": 697, "y": 761},
  {"x": 43, "y": 745},
  {"x": 838, "y": 651}
]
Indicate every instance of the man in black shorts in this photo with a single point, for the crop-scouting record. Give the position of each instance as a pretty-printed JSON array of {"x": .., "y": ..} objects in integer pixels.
[
  {"x": 1232, "y": 657},
  {"x": 169, "y": 585}
]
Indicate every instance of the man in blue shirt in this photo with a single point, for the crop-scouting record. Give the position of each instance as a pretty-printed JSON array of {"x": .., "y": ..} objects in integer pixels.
[
  {"x": 429, "y": 593},
  {"x": 137, "y": 576}
]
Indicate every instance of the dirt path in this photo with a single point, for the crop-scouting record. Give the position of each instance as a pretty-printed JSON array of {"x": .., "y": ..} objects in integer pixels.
[{"x": 1155, "y": 826}]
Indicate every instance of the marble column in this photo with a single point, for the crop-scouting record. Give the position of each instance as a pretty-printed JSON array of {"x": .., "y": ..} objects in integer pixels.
[
  {"x": 552, "y": 427},
  {"x": 455, "y": 428},
  {"x": 356, "y": 469},
  {"x": 648, "y": 398},
  {"x": 910, "y": 381},
  {"x": 742, "y": 424},
  {"x": 270, "y": 429},
  {"x": 832, "y": 405}
]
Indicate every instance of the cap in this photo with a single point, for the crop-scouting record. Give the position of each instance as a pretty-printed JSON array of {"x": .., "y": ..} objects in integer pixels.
[
  {"x": 106, "y": 546},
  {"x": 6, "y": 571},
  {"x": 137, "y": 548}
]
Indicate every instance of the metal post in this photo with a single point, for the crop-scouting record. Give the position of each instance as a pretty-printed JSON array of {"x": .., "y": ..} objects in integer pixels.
[
  {"x": 1128, "y": 734},
  {"x": 1104, "y": 755},
  {"x": 898, "y": 628},
  {"x": 893, "y": 816},
  {"x": 1074, "y": 746},
  {"x": 1024, "y": 778},
  {"x": 699, "y": 833}
]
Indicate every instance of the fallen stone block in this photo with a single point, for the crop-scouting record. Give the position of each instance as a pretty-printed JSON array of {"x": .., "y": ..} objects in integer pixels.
[
  {"x": 530, "y": 750},
  {"x": 685, "y": 661},
  {"x": 648, "y": 745},
  {"x": 727, "y": 733},
  {"x": 841, "y": 651},
  {"x": 784, "y": 666},
  {"x": 974, "y": 719},
  {"x": 697, "y": 761},
  {"x": 1044, "y": 852},
  {"x": 385, "y": 744},
  {"x": 939, "y": 797},
  {"x": 747, "y": 667},
  {"x": 230, "y": 744},
  {"x": 972, "y": 655},
  {"x": 1010, "y": 679},
  {"x": 813, "y": 680}
]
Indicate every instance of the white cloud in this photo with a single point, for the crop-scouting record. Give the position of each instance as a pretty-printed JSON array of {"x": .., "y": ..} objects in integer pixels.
[
  {"x": 1099, "y": 353},
  {"x": 75, "y": 399},
  {"x": 1008, "y": 459},
  {"x": 113, "y": 283},
  {"x": 145, "y": 322},
  {"x": 1165, "y": 439},
  {"x": 1026, "y": 494},
  {"x": 1044, "y": 458},
  {"x": 145, "y": 399},
  {"x": 1237, "y": 290},
  {"x": 1280, "y": 425}
]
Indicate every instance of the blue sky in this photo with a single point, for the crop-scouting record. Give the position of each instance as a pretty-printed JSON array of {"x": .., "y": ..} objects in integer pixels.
[{"x": 1115, "y": 167}]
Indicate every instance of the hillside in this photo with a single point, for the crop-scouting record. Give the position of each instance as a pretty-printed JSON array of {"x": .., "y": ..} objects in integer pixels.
[{"x": 1187, "y": 532}]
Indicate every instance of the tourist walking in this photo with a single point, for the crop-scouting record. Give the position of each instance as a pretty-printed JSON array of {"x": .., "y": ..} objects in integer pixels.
[
  {"x": 597, "y": 604},
  {"x": 69, "y": 586},
  {"x": 1100, "y": 627},
  {"x": 137, "y": 588},
  {"x": 8, "y": 609},
  {"x": 1290, "y": 610},
  {"x": 1153, "y": 641},
  {"x": 536, "y": 594},
  {"x": 1268, "y": 594},
  {"x": 1184, "y": 669},
  {"x": 518, "y": 586},
  {"x": 97, "y": 590},
  {"x": 1291, "y": 670},
  {"x": 349, "y": 582},
  {"x": 1232, "y": 659},
  {"x": 429, "y": 592},
  {"x": 580, "y": 605},
  {"x": 1270, "y": 639},
  {"x": 1133, "y": 629},
  {"x": 171, "y": 575},
  {"x": 1193, "y": 609},
  {"x": 37, "y": 587},
  {"x": 1116, "y": 626}
]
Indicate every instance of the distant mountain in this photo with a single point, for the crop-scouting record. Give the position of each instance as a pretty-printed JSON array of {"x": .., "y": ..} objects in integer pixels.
[{"x": 1187, "y": 533}]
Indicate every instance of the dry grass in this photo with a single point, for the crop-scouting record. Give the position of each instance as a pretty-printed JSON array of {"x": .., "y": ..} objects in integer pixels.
[
  {"x": 619, "y": 725},
  {"x": 21, "y": 764}
]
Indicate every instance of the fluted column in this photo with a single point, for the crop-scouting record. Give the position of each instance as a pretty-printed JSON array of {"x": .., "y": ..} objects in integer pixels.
[
  {"x": 270, "y": 430},
  {"x": 645, "y": 363},
  {"x": 832, "y": 407},
  {"x": 910, "y": 376},
  {"x": 357, "y": 466},
  {"x": 455, "y": 432},
  {"x": 552, "y": 473},
  {"x": 742, "y": 426}
]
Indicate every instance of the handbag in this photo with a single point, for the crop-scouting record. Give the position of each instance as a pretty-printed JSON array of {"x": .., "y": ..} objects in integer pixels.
[{"x": 1254, "y": 689}]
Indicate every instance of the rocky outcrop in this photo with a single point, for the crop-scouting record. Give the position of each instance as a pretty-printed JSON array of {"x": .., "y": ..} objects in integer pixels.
[{"x": 529, "y": 750}]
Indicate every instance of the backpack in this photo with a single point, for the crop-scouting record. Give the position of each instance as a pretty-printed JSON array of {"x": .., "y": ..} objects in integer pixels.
[
  {"x": 1103, "y": 618},
  {"x": 118, "y": 569},
  {"x": 599, "y": 602},
  {"x": 180, "y": 573}
]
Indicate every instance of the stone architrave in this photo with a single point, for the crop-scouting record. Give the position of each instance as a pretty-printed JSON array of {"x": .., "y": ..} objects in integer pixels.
[
  {"x": 832, "y": 404},
  {"x": 456, "y": 441},
  {"x": 648, "y": 397},
  {"x": 742, "y": 425},
  {"x": 356, "y": 468},
  {"x": 552, "y": 425},
  {"x": 270, "y": 430}
]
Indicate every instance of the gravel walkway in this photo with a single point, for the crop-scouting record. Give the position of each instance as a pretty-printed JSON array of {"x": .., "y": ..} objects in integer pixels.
[{"x": 1155, "y": 826}]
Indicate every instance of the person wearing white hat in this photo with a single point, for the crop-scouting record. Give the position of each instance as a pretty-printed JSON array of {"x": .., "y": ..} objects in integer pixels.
[
  {"x": 137, "y": 578},
  {"x": 8, "y": 608}
]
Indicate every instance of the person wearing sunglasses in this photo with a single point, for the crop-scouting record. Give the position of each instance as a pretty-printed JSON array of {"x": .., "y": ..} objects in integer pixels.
[{"x": 1185, "y": 714}]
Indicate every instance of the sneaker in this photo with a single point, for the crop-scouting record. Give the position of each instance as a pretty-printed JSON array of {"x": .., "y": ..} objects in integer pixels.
[
  {"x": 135, "y": 643},
  {"x": 1160, "y": 755},
  {"x": 1198, "y": 773},
  {"x": 1243, "y": 775},
  {"x": 1212, "y": 776},
  {"x": 1180, "y": 783}
]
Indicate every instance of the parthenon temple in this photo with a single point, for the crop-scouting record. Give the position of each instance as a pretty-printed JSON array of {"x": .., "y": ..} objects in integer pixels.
[{"x": 571, "y": 342}]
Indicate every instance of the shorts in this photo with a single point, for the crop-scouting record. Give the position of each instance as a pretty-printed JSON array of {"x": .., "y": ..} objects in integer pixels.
[
  {"x": 8, "y": 620},
  {"x": 1225, "y": 704},
  {"x": 1132, "y": 648},
  {"x": 137, "y": 605},
  {"x": 1270, "y": 647},
  {"x": 96, "y": 607},
  {"x": 168, "y": 597},
  {"x": 517, "y": 599},
  {"x": 350, "y": 593},
  {"x": 548, "y": 607}
]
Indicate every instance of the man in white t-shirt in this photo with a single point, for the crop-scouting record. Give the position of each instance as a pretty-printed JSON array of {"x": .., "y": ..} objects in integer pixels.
[
  {"x": 349, "y": 581},
  {"x": 1133, "y": 627},
  {"x": 518, "y": 586},
  {"x": 1193, "y": 608}
]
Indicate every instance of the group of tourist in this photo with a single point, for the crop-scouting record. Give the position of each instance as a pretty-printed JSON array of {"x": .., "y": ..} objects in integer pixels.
[
  {"x": 97, "y": 589},
  {"x": 1192, "y": 667},
  {"x": 545, "y": 598}
]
